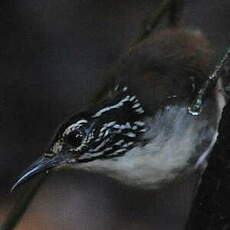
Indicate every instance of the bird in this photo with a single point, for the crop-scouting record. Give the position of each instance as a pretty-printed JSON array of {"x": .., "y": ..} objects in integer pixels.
[{"x": 138, "y": 129}]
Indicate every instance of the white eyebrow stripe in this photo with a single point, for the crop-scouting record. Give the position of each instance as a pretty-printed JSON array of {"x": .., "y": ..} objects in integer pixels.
[
  {"x": 116, "y": 106},
  {"x": 74, "y": 126}
]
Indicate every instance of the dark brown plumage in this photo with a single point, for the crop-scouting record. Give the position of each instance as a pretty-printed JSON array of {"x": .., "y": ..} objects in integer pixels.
[{"x": 172, "y": 62}]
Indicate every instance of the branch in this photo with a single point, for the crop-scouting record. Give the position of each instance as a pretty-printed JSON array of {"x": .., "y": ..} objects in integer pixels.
[
  {"x": 175, "y": 9},
  {"x": 196, "y": 107},
  {"x": 176, "y": 12}
]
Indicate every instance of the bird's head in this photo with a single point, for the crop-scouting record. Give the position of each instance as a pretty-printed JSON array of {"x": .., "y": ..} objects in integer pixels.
[{"x": 107, "y": 131}]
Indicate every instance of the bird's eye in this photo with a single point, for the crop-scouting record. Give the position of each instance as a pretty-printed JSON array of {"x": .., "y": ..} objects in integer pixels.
[{"x": 74, "y": 138}]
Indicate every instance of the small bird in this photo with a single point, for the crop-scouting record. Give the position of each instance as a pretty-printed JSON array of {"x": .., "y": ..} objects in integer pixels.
[{"x": 138, "y": 130}]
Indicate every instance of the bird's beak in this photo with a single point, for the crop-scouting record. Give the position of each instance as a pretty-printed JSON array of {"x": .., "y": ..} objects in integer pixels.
[{"x": 42, "y": 164}]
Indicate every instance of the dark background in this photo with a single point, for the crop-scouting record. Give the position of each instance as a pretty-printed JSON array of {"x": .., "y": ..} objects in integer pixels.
[{"x": 52, "y": 56}]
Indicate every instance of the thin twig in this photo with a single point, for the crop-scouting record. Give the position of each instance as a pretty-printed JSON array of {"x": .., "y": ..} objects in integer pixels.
[
  {"x": 196, "y": 107},
  {"x": 175, "y": 12},
  {"x": 175, "y": 9},
  {"x": 152, "y": 21}
]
